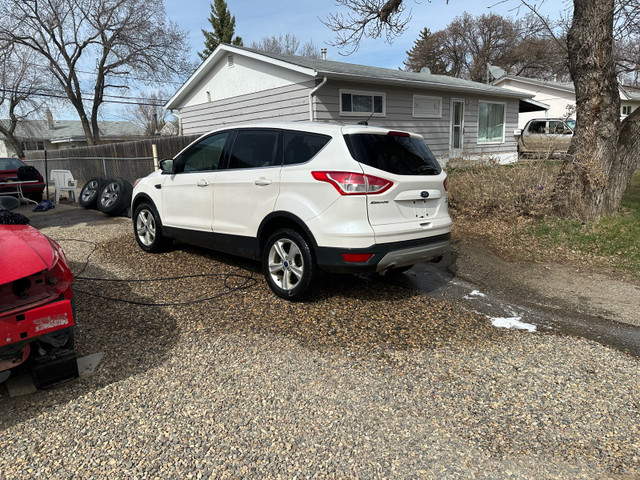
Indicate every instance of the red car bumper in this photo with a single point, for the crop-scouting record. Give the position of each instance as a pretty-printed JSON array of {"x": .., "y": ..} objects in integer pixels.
[{"x": 32, "y": 323}]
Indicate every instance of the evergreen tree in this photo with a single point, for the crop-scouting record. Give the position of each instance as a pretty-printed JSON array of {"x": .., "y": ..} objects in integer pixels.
[
  {"x": 224, "y": 26},
  {"x": 427, "y": 52}
]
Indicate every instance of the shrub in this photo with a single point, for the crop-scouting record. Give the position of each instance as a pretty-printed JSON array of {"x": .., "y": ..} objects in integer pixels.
[{"x": 488, "y": 188}]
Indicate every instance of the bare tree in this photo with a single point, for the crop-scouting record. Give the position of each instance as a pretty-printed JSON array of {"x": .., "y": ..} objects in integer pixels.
[
  {"x": 149, "y": 114},
  {"x": 604, "y": 152},
  {"x": 367, "y": 18},
  {"x": 98, "y": 46},
  {"x": 468, "y": 43},
  {"x": 287, "y": 44},
  {"x": 21, "y": 92}
]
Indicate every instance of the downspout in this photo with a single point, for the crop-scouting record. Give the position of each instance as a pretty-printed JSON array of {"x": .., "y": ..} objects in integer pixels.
[
  {"x": 311, "y": 94},
  {"x": 177, "y": 115}
]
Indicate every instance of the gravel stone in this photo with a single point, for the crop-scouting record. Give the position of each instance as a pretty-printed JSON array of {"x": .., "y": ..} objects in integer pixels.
[{"x": 366, "y": 380}]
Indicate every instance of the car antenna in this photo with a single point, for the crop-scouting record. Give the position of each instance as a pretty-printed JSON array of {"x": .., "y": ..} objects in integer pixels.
[{"x": 366, "y": 122}]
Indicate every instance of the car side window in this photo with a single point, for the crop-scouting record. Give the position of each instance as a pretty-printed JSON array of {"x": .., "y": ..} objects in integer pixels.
[
  {"x": 300, "y": 147},
  {"x": 538, "y": 127},
  {"x": 256, "y": 148},
  {"x": 204, "y": 155},
  {"x": 557, "y": 128}
]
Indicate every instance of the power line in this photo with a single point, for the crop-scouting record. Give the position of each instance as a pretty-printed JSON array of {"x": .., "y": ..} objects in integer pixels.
[{"x": 119, "y": 99}]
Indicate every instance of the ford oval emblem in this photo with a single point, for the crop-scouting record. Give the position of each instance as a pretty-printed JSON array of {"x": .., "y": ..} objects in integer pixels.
[{"x": 424, "y": 194}]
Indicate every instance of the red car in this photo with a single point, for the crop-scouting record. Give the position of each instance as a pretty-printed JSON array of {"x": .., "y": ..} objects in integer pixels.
[
  {"x": 36, "y": 300},
  {"x": 14, "y": 169}
]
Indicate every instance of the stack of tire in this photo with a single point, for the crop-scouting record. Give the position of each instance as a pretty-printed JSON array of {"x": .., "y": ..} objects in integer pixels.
[{"x": 111, "y": 195}]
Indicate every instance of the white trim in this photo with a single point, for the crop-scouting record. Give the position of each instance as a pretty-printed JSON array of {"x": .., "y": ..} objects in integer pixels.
[
  {"x": 452, "y": 149},
  {"x": 427, "y": 98},
  {"x": 504, "y": 122},
  {"x": 363, "y": 93}
]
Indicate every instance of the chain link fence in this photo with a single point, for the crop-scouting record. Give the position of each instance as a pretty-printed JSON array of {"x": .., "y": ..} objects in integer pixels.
[{"x": 83, "y": 168}]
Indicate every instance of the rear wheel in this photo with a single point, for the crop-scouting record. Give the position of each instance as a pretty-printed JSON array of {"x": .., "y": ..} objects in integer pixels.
[{"x": 288, "y": 264}]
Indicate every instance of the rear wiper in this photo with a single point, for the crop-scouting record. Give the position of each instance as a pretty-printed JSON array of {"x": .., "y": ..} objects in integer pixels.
[{"x": 428, "y": 169}]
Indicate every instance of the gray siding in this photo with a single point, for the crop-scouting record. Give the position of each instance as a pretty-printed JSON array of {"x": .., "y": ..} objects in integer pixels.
[
  {"x": 399, "y": 114},
  {"x": 290, "y": 103}
]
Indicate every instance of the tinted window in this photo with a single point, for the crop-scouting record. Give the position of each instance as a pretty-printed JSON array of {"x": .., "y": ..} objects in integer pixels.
[
  {"x": 393, "y": 154},
  {"x": 256, "y": 148},
  {"x": 300, "y": 147},
  {"x": 204, "y": 155}
]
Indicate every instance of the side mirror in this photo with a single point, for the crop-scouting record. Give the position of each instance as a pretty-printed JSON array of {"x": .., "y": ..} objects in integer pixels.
[{"x": 166, "y": 165}]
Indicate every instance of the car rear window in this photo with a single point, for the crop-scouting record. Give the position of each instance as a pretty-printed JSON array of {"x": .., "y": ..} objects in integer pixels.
[{"x": 394, "y": 154}]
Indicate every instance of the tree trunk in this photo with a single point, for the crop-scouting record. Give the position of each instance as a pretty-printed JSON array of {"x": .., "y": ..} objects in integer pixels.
[{"x": 602, "y": 156}]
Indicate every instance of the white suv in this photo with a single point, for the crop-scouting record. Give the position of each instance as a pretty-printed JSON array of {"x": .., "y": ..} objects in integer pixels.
[{"x": 300, "y": 196}]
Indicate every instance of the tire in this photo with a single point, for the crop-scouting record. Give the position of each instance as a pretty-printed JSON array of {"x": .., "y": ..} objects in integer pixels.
[
  {"x": 288, "y": 264},
  {"x": 114, "y": 197},
  {"x": 90, "y": 191},
  {"x": 147, "y": 228}
]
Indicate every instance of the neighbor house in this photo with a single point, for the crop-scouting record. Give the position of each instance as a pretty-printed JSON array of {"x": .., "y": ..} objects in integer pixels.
[
  {"x": 559, "y": 97},
  {"x": 237, "y": 84},
  {"x": 53, "y": 134}
]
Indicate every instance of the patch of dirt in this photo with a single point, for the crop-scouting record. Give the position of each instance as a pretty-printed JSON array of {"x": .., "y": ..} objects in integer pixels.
[{"x": 571, "y": 285}]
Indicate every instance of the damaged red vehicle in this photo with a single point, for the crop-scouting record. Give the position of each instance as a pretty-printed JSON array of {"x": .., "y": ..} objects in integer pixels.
[{"x": 36, "y": 301}]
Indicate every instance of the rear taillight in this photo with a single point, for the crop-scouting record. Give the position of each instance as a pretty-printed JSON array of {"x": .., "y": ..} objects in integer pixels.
[
  {"x": 445, "y": 185},
  {"x": 349, "y": 183}
]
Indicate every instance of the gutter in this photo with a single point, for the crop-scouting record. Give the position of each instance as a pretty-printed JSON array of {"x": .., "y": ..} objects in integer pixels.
[{"x": 311, "y": 94}]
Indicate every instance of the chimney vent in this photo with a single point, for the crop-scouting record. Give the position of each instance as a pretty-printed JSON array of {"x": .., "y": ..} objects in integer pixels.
[{"x": 49, "y": 118}]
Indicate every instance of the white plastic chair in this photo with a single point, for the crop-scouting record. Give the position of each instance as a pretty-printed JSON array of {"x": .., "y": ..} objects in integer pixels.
[{"x": 63, "y": 181}]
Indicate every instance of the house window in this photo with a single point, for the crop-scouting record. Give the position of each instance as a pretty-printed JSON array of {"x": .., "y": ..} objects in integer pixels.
[
  {"x": 362, "y": 104},
  {"x": 427, "y": 107},
  {"x": 626, "y": 110},
  {"x": 491, "y": 119},
  {"x": 32, "y": 145}
]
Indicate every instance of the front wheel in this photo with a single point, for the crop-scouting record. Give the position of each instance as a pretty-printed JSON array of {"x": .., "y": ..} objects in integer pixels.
[
  {"x": 148, "y": 229},
  {"x": 288, "y": 264}
]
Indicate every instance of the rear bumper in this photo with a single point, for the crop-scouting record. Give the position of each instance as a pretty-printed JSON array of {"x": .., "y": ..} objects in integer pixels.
[{"x": 384, "y": 256}]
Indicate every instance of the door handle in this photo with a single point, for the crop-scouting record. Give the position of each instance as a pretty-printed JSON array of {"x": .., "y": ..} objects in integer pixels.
[
  {"x": 202, "y": 183},
  {"x": 262, "y": 182}
]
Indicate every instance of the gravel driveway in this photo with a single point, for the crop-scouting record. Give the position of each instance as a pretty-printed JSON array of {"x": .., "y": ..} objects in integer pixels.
[{"x": 367, "y": 380}]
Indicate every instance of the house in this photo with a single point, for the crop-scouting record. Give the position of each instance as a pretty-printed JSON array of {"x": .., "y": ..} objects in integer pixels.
[
  {"x": 237, "y": 84},
  {"x": 559, "y": 97},
  {"x": 53, "y": 134}
]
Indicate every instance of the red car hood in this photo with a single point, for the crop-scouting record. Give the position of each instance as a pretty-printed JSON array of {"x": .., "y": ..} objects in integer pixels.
[{"x": 23, "y": 251}]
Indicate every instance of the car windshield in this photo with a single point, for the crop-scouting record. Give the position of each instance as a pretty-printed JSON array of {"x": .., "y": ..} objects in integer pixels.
[
  {"x": 10, "y": 164},
  {"x": 571, "y": 123},
  {"x": 397, "y": 154}
]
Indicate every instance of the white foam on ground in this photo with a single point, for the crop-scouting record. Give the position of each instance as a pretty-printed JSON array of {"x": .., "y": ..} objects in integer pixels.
[{"x": 512, "y": 322}]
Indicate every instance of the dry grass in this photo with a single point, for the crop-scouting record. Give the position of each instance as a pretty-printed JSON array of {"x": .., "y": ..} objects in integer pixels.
[{"x": 508, "y": 207}]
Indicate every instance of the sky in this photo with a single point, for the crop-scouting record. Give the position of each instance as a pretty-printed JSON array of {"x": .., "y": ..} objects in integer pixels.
[{"x": 256, "y": 19}]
